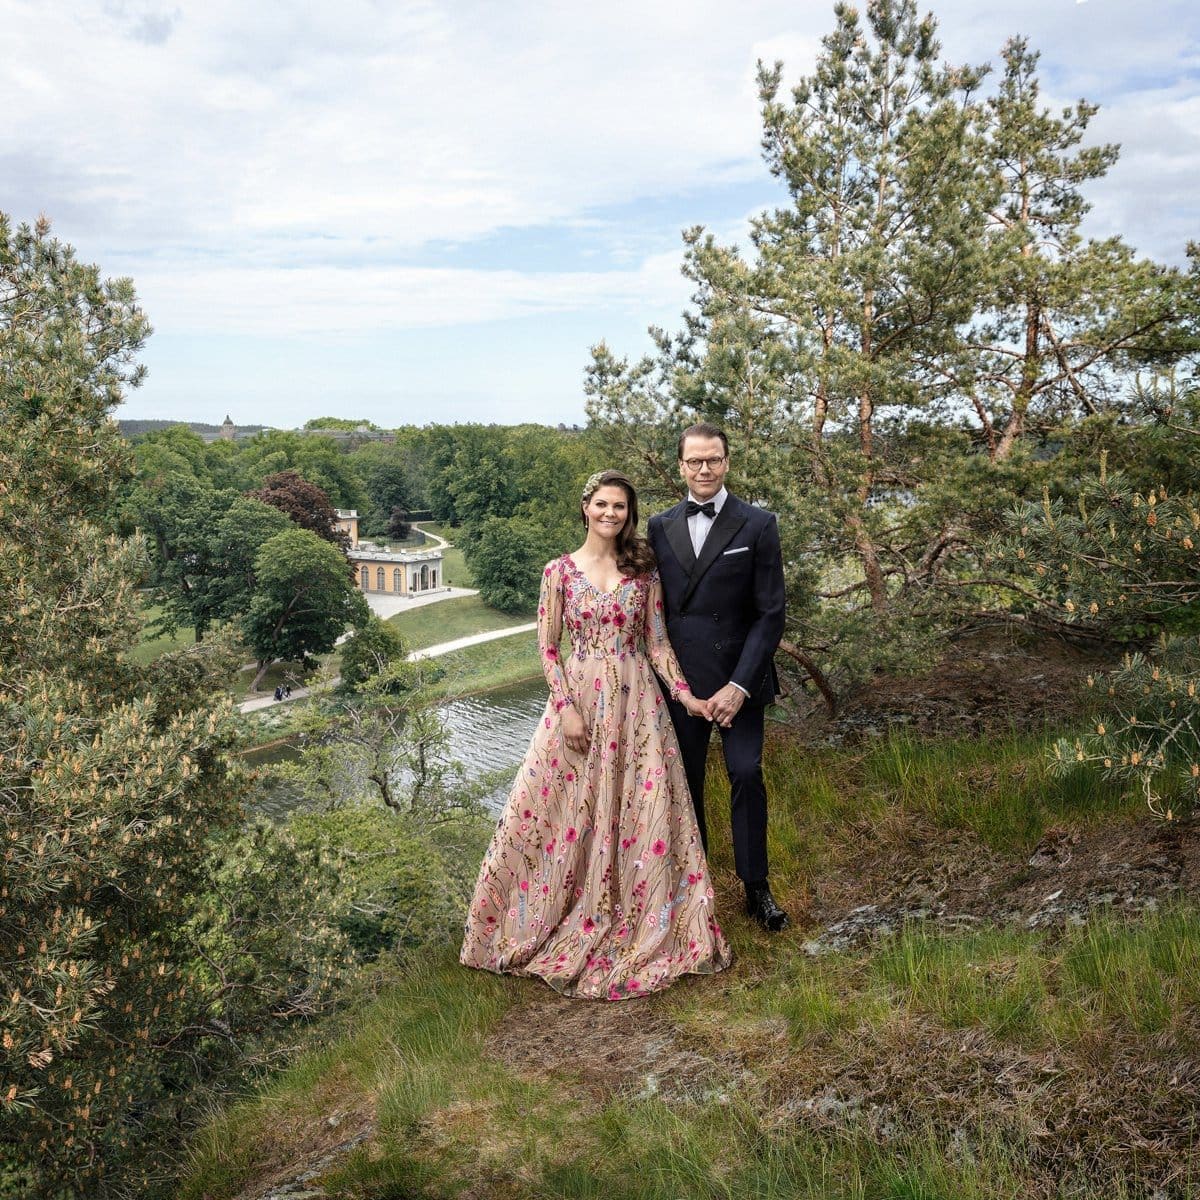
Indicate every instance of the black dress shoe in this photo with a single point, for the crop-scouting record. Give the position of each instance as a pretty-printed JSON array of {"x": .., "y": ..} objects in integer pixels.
[{"x": 760, "y": 904}]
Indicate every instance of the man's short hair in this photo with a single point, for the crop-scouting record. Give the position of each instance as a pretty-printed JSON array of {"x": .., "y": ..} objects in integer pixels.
[{"x": 703, "y": 430}]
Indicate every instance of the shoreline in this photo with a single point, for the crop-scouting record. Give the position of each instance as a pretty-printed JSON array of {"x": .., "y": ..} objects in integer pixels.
[{"x": 511, "y": 680}]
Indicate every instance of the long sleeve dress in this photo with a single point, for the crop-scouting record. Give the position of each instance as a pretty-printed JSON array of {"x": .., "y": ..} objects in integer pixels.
[{"x": 595, "y": 880}]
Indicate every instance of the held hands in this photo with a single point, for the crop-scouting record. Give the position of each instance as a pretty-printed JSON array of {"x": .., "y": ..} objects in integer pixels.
[
  {"x": 696, "y": 707},
  {"x": 726, "y": 705}
]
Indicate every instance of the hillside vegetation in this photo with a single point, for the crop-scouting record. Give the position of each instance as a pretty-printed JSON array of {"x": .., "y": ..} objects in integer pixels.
[{"x": 992, "y": 990}]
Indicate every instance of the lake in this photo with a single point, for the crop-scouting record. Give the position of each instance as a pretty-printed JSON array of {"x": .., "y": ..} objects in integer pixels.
[{"x": 487, "y": 732}]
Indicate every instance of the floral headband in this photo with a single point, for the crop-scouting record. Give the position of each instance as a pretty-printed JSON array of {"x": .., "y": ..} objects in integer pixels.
[{"x": 589, "y": 488}]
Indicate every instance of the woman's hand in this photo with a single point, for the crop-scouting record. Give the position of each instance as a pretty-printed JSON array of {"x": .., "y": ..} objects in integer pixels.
[
  {"x": 696, "y": 708},
  {"x": 575, "y": 732}
]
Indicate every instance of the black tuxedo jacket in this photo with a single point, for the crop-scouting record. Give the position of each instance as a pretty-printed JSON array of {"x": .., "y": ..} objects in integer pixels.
[{"x": 724, "y": 609}]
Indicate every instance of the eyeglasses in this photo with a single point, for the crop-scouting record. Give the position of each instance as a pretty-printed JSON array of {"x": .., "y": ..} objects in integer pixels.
[{"x": 695, "y": 464}]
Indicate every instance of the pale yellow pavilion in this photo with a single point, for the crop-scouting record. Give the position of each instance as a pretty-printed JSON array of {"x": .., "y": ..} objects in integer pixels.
[{"x": 391, "y": 572}]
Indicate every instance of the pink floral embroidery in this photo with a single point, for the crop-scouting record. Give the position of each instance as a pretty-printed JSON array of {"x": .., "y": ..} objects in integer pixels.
[{"x": 552, "y": 865}]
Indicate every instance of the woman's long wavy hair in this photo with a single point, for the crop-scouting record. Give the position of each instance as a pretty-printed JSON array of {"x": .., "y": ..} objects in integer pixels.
[{"x": 634, "y": 555}]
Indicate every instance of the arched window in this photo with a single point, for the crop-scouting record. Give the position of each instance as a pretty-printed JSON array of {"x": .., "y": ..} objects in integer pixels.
[
  {"x": 380, "y": 586},
  {"x": 397, "y": 580},
  {"x": 365, "y": 578},
  {"x": 424, "y": 579}
]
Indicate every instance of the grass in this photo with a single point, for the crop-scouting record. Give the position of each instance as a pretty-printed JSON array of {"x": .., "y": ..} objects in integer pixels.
[
  {"x": 486, "y": 666},
  {"x": 399, "y": 1057},
  {"x": 450, "y": 619},
  {"x": 450, "y": 1115},
  {"x": 455, "y": 572},
  {"x": 1141, "y": 977},
  {"x": 1000, "y": 788},
  {"x": 830, "y": 802},
  {"x": 937, "y": 1064},
  {"x": 151, "y": 646}
]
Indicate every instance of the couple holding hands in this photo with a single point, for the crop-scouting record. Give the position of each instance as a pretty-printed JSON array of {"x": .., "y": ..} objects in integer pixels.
[{"x": 596, "y": 879}]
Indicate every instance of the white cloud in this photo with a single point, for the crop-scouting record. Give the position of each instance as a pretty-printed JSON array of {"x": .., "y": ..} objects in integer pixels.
[
  {"x": 274, "y": 301},
  {"x": 428, "y": 121},
  {"x": 277, "y": 168}
]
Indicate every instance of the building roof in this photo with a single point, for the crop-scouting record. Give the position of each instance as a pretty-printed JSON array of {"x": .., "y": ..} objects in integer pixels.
[{"x": 361, "y": 554}]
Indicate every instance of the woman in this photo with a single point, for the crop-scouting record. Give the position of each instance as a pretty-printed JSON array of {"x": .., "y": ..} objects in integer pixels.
[{"x": 595, "y": 880}]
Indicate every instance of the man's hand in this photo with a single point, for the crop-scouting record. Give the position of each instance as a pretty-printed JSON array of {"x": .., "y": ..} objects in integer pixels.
[
  {"x": 697, "y": 707},
  {"x": 575, "y": 732},
  {"x": 726, "y": 705}
]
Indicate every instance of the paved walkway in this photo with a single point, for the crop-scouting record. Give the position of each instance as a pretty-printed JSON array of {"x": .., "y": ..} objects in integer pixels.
[
  {"x": 473, "y": 639},
  {"x": 385, "y": 606},
  {"x": 441, "y": 648}
]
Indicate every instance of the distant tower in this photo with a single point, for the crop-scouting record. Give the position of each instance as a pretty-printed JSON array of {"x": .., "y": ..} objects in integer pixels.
[{"x": 228, "y": 429}]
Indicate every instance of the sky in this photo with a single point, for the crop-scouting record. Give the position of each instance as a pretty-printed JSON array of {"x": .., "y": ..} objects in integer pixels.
[{"x": 429, "y": 211}]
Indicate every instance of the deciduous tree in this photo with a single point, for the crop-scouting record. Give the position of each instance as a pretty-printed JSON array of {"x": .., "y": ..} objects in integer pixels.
[
  {"x": 304, "y": 599},
  {"x": 305, "y": 503}
]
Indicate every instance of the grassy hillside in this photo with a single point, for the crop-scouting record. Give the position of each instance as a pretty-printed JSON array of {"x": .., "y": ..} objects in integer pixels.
[
  {"x": 991, "y": 989},
  {"x": 450, "y": 619},
  {"x": 455, "y": 571}
]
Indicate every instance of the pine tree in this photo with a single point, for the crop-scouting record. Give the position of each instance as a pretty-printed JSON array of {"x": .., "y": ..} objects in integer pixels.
[
  {"x": 113, "y": 779},
  {"x": 127, "y": 974},
  {"x": 900, "y": 337},
  {"x": 1119, "y": 562}
]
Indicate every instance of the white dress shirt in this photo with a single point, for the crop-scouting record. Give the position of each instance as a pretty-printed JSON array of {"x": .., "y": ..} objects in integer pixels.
[
  {"x": 698, "y": 527},
  {"x": 699, "y": 524}
]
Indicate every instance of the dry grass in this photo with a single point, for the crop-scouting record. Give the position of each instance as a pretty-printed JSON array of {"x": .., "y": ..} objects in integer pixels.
[{"x": 1021, "y": 1020}]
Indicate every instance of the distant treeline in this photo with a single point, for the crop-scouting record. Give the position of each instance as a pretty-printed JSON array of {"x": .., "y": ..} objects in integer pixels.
[{"x": 132, "y": 429}]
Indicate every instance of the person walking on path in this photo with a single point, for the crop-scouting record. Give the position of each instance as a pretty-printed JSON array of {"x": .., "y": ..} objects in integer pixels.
[{"x": 721, "y": 567}]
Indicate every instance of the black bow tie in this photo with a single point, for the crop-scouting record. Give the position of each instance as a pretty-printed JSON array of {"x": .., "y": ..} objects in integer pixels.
[{"x": 708, "y": 508}]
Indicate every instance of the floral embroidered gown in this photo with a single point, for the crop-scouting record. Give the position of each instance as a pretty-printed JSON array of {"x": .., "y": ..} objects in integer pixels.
[{"x": 595, "y": 880}]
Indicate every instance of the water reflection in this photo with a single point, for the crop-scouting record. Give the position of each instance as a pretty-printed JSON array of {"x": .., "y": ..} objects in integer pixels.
[
  {"x": 487, "y": 733},
  {"x": 492, "y": 730}
]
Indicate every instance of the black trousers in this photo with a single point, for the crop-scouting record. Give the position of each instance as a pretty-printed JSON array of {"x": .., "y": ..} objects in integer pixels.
[{"x": 742, "y": 745}]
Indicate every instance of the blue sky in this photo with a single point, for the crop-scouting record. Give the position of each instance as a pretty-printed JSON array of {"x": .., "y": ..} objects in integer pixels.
[{"x": 429, "y": 211}]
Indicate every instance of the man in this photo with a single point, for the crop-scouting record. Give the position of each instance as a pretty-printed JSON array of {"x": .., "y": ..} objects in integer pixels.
[{"x": 722, "y": 575}]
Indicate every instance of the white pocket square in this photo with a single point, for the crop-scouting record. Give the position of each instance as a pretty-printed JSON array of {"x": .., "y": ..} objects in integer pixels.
[{"x": 736, "y": 550}]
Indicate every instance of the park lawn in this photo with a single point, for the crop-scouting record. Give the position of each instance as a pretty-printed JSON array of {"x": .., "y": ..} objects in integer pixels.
[
  {"x": 455, "y": 572},
  {"x": 450, "y": 619},
  {"x": 277, "y": 673},
  {"x": 281, "y": 672},
  {"x": 152, "y": 645},
  {"x": 489, "y": 665},
  {"x": 974, "y": 1061}
]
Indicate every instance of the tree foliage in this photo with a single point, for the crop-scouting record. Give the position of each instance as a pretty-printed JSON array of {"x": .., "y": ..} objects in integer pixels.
[
  {"x": 304, "y": 503},
  {"x": 507, "y": 561},
  {"x": 390, "y": 474},
  {"x": 387, "y": 804},
  {"x": 908, "y": 342},
  {"x": 1119, "y": 561},
  {"x": 304, "y": 598},
  {"x": 122, "y": 985},
  {"x": 374, "y": 647}
]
